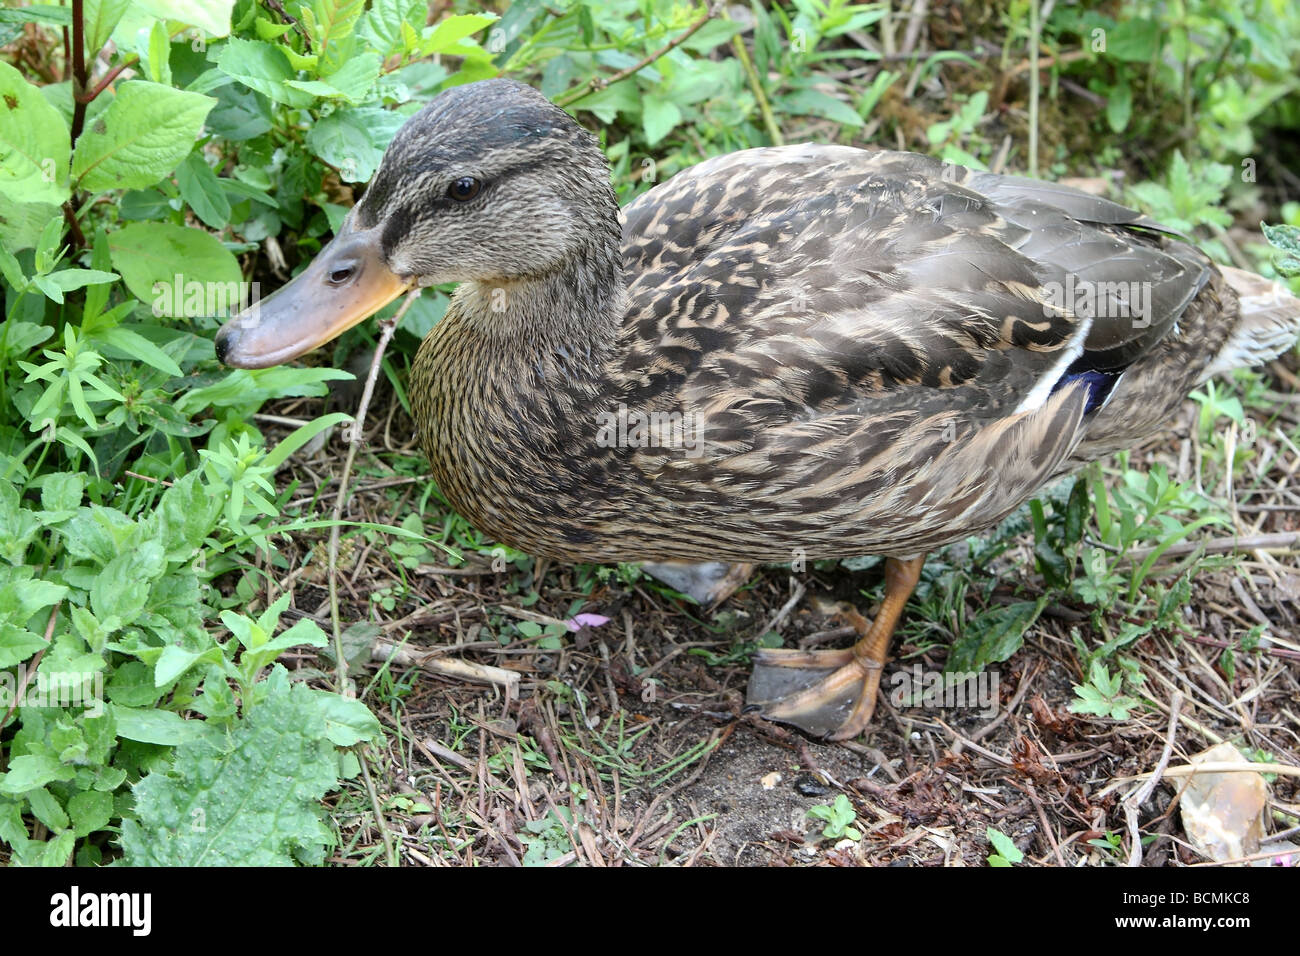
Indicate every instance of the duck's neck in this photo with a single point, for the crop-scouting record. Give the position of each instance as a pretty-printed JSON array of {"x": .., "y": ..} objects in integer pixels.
[
  {"x": 506, "y": 386},
  {"x": 548, "y": 331}
]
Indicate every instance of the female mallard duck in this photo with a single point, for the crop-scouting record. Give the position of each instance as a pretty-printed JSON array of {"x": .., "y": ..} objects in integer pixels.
[{"x": 811, "y": 351}]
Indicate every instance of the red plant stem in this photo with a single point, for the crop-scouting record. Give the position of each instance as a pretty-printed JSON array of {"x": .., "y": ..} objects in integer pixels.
[
  {"x": 109, "y": 77},
  {"x": 79, "y": 75}
]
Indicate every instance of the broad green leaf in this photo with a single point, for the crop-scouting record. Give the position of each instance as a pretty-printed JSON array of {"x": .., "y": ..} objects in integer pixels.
[
  {"x": 56, "y": 284},
  {"x": 202, "y": 192},
  {"x": 210, "y": 16},
  {"x": 263, "y": 67},
  {"x": 186, "y": 514},
  {"x": 1286, "y": 239},
  {"x": 446, "y": 35},
  {"x": 122, "y": 588},
  {"x": 44, "y": 13},
  {"x": 255, "y": 790},
  {"x": 347, "y": 721},
  {"x": 174, "y": 268},
  {"x": 153, "y": 726},
  {"x": 172, "y": 663},
  {"x": 817, "y": 103},
  {"x": 155, "y": 49},
  {"x": 34, "y": 144},
  {"x": 353, "y": 140},
  {"x": 1135, "y": 40},
  {"x": 96, "y": 534},
  {"x": 61, "y": 491},
  {"x": 21, "y": 223},
  {"x": 240, "y": 114},
  {"x": 140, "y": 348},
  {"x": 1119, "y": 106},
  {"x": 47, "y": 809},
  {"x": 100, "y": 18},
  {"x": 330, "y": 23},
  {"x": 658, "y": 118},
  {"x": 993, "y": 636},
  {"x": 351, "y": 82},
  {"x": 249, "y": 388},
  {"x": 31, "y": 771},
  {"x": 17, "y": 525},
  {"x": 139, "y": 139},
  {"x": 383, "y": 23},
  {"x": 18, "y": 644},
  {"x": 90, "y": 810},
  {"x": 1006, "y": 849}
]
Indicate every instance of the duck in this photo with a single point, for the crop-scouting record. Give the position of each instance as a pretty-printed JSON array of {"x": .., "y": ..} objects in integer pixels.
[{"x": 779, "y": 354}]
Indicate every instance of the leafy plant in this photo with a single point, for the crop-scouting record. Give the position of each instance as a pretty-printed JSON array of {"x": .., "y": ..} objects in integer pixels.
[
  {"x": 839, "y": 818},
  {"x": 1102, "y": 695},
  {"x": 1007, "y": 853}
]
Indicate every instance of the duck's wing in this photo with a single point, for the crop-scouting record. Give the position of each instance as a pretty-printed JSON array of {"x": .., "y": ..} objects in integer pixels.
[{"x": 833, "y": 322}]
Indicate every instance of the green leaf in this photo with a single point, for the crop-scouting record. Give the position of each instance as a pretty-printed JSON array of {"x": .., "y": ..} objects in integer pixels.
[
  {"x": 202, "y": 192},
  {"x": 352, "y": 81},
  {"x": 1286, "y": 239},
  {"x": 139, "y": 348},
  {"x": 45, "y": 13},
  {"x": 330, "y": 23},
  {"x": 100, "y": 18},
  {"x": 47, "y": 809},
  {"x": 1006, "y": 849},
  {"x": 34, "y": 144},
  {"x": 155, "y": 49},
  {"x": 1134, "y": 40},
  {"x": 122, "y": 588},
  {"x": 353, "y": 140},
  {"x": 151, "y": 255},
  {"x": 172, "y": 663},
  {"x": 447, "y": 35},
  {"x": 17, "y": 645},
  {"x": 658, "y": 118},
  {"x": 383, "y": 23},
  {"x": 816, "y": 103},
  {"x": 249, "y": 388},
  {"x": 61, "y": 491},
  {"x": 347, "y": 721},
  {"x": 1119, "y": 106},
  {"x": 17, "y": 525},
  {"x": 250, "y": 797},
  {"x": 210, "y": 16},
  {"x": 263, "y": 67},
  {"x": 993, "y": 636},
  {"x": 300, "y": 436},
  {"x": 33, "y": 770},
  {"x": 22, "y": 222},
  {"x": 56, "y": 284},
  {"x": 90, "y": 810},
  {"x": 185, "y": 515},
  {"x": 139, "y": 139},
  {"x": 152, "y": 726}
]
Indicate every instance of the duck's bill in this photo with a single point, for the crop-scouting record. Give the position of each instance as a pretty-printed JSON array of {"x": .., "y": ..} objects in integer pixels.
[{"x": 347, "y": 282}]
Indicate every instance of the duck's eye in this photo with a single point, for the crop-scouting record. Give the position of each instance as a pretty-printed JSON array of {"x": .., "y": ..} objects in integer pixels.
[{"x": 464, "y": 189}]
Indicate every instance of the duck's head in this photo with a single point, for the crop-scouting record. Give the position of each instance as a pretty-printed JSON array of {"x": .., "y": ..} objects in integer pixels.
[{"x": 490, "y": 182}]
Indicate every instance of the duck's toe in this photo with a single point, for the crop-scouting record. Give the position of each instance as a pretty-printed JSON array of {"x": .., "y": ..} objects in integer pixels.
[{"x": 828, "y": 694}]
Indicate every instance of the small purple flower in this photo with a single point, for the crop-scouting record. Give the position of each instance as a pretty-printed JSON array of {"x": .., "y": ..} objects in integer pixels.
[{"x": 585, "y": 620}]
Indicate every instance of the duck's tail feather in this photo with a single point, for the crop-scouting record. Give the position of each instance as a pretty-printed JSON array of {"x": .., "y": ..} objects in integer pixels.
[{"x": 1268, "y": 325}]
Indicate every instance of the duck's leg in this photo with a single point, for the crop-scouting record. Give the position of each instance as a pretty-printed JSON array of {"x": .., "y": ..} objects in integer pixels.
[
  {"x": 833, "y": 693},
  {"x": 710, "y": 583}
]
